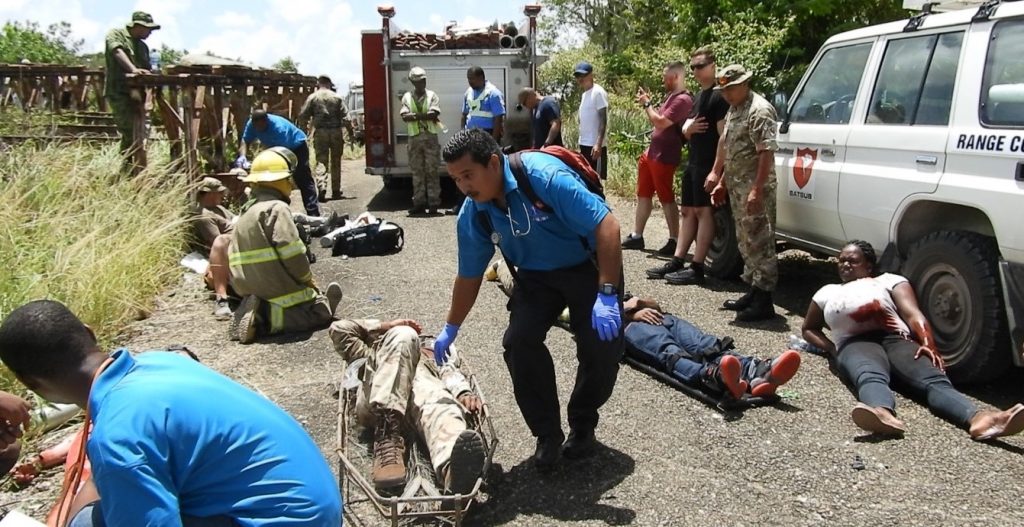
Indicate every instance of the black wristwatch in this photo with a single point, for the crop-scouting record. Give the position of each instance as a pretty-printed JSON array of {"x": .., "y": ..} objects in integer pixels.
[
  {"x": 609, "y": 289},
  {"x": 647, "y": 105}
]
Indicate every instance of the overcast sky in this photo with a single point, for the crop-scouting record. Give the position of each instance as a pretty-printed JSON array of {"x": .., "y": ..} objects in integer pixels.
[{"x": 323, "y": 36}]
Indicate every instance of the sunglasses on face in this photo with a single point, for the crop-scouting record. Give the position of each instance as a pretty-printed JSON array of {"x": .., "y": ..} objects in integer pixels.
[{"x": 699, "y": 65}]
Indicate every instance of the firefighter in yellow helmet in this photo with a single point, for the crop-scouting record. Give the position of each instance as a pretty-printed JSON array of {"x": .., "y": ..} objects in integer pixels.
[{"x": 268, "y": 260}]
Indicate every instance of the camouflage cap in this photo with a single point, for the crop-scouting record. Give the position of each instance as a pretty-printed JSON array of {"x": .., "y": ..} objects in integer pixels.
[
  {"x": 142, "y": 18},
  {"x": 211, "y": 184},
  {"x": 732, "y": 75},
  {"x": 417, "y": 74}
]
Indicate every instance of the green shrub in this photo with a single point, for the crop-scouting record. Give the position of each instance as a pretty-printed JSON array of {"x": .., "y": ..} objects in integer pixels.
[{"x": 74, "y": 230}]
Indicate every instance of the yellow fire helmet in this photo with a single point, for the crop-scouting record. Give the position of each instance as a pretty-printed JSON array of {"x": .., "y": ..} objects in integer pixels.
[{"x": 272, "y": 164}]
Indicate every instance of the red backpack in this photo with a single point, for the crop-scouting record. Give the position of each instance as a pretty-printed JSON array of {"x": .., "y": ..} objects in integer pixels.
[{"x": 573, "y": 159}]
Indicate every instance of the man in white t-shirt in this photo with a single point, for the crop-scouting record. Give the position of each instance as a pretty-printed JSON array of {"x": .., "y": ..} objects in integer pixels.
[{"x": 593, "y": 119}]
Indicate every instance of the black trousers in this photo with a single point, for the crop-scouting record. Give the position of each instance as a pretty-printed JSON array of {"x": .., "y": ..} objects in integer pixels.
[
  {"x": 601, "y": 165},
  {"x": 537, "y": 300},
  {"x": 303, "y": 176}
]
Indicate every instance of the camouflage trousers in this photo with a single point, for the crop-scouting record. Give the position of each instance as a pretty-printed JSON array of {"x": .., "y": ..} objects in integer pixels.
[
  {"x": 424, "y": 158},
  {"x": 125, "y": 110},
  {"x": 398, "y": 377},
  {"x": 755, "y": 234},
  {"x": 329, "y": 144},
  {"x": 436, "y": 414}
]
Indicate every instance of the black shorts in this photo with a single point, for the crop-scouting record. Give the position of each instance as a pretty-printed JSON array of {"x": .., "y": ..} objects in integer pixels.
[{"x": 692, "y": 193}]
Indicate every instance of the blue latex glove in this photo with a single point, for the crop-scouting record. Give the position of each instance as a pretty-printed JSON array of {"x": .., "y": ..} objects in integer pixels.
[
  {"x": 443, "y": 341},
  {"x": 241, "y": 161},
  {"x": 606, "y": 318}
]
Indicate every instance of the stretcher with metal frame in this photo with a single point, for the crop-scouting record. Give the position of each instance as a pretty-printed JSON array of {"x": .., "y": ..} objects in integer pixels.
[{"x": 421, "y": 498}]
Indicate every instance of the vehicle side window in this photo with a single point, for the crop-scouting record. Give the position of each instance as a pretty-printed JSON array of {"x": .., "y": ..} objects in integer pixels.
[
  {"x": 830, "y": 91},
  {"x": 1002, "y": 87},
  {"x": 915, "y": 82},
  {"x": 937, "y": 95}
]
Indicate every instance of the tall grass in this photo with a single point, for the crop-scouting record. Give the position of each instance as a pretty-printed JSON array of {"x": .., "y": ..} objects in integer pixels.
[{"x": 72, "y": 229}]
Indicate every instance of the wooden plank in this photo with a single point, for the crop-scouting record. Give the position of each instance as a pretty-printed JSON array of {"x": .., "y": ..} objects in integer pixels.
[{"x": 220, "y": 133}]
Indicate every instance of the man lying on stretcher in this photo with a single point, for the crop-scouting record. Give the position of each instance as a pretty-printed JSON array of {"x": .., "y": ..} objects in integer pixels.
[
  {"x": 685, "y": 352},
  {"x": 403, "y": 388},
  {"x": 682, "y": 350}
]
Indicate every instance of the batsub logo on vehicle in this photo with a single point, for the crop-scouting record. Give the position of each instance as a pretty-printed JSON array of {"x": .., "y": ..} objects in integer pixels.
[{"x": 801, "y": 185}]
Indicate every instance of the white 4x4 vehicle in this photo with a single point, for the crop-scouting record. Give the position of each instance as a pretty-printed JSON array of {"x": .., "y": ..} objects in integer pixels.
[{"x": 910, "y": 135}]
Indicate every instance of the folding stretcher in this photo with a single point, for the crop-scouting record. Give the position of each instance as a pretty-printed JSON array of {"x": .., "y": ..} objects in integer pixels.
[{"x": 420, "y": 499}]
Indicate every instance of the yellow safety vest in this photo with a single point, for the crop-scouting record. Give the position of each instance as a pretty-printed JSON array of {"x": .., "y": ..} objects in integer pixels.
[
  {"x": 474, "y": 104},
  {"x": 414, "y": 126}
]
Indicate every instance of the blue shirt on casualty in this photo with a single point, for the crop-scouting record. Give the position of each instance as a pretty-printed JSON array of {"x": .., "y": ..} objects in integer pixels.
[{"x": 548, "y": 240}]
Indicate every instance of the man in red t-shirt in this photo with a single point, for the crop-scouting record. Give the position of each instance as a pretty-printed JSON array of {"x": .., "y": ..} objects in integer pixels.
[{"x": 657, "y": 166}]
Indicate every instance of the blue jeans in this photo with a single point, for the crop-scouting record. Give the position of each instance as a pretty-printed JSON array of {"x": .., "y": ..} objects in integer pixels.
[
  {"x": 92, "y": 516},
  {"x": 868, "y": 360},
  {"x": 680, "y": 341}
]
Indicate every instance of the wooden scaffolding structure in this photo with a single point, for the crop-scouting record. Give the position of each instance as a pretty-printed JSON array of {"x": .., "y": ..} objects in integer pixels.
[{"x": 199, "y": 108}]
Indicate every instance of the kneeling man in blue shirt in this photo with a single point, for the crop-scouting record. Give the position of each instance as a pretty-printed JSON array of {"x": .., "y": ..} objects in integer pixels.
[
  {"x": 173, "y": 442},
  {"x": 549, "y": 244}
]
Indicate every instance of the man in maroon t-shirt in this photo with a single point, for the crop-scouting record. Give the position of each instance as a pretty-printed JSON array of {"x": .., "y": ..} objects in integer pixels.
[
  {"x": 657, "y": 166},
  {"x": 702, "y": 130}
]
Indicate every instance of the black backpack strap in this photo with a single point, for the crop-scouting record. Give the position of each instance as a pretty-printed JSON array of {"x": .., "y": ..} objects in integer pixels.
[
  {"x": 485, "y": 222},
  {"x": 515, "y": 163}
]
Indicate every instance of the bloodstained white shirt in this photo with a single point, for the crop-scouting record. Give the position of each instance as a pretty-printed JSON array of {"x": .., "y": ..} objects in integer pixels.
[{"x": 861, "y": 306}]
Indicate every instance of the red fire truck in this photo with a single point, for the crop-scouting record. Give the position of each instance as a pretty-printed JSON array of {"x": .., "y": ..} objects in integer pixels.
[{"x": 507, "y": 54}]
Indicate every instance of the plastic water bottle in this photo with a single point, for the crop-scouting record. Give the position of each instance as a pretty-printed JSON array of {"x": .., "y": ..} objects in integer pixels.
[
  {"x": 154, "y": 63},
  {"x": 799, "y": 344}
]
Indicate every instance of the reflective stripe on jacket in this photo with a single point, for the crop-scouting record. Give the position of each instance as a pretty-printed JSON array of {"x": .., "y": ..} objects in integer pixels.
[
  {"x": 475, "y": 104},
  {"x": 414, "y": 126},
  {"x": 267, "y": 258}
]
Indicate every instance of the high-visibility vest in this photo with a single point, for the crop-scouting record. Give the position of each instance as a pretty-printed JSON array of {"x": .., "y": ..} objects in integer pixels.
[
  {"x": 474, "y": 104},
  {"x": 414, "y": 126}
]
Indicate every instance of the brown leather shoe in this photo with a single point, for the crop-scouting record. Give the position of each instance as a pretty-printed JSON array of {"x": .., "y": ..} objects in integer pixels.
[
  {"x": 990, "y": 425},
  {"x": 877, "y": 420},
  {"x": 388, "y": 451}
]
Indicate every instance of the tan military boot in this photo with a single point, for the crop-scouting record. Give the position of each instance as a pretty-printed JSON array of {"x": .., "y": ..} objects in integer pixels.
[{"x": 388, "y": 451}]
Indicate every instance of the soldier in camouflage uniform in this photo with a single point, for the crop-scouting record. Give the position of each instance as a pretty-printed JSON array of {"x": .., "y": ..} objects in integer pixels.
[
  {"x": 126, "y": 52},
  {"x": 746, "y": 156},
  {"x": 421, "y": 109},
  {"x": 329, "y": 114},
  {"x": 401, "y": 383}
]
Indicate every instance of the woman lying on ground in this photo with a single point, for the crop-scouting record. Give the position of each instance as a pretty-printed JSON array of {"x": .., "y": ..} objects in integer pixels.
[{"x": 879, "y": 330}]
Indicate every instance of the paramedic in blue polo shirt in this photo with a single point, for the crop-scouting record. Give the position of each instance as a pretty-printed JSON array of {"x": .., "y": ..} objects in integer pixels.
[
  {"x": 483, "y": 106},
  {"x": 555, "y": 270},
  {"x": 273, "y": 130},
  {"x": 173, "y": 442}
]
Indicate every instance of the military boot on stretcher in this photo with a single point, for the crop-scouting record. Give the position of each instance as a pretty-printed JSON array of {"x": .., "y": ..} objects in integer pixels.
[{"x": 388, "y": 451}]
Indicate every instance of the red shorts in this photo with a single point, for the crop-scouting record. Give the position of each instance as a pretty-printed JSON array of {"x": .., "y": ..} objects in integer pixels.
[{"x": 655, "y": 177}]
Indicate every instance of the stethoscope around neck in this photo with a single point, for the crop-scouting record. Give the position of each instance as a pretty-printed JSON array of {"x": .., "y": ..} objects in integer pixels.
[{"x": 516, "y": 233}]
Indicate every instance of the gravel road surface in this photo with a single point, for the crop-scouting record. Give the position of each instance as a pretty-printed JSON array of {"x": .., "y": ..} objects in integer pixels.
[{"x": 667, "y": 458}]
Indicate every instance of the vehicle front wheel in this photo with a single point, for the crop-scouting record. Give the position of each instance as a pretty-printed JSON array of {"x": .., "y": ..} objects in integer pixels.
[{"x": 955, "y": 275}]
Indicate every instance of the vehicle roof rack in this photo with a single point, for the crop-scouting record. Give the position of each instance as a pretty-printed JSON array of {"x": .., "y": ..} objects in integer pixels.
[
  {"x": 915, "y": 21},
  {"x": 986, "y": 10}
]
